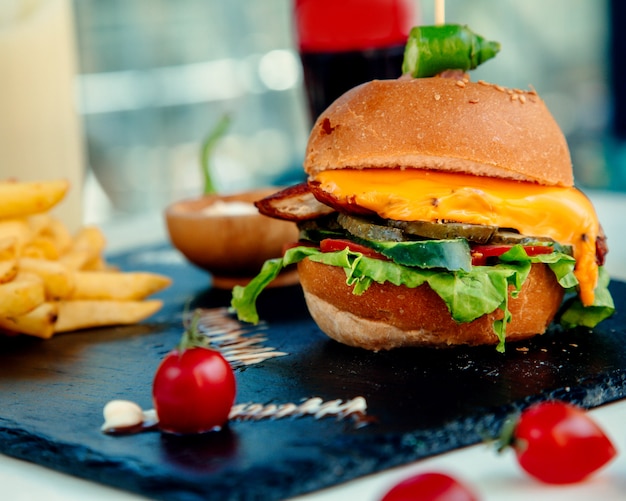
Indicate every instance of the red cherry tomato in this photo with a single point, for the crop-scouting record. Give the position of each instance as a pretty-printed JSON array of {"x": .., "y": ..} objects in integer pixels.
[
  {"x": 193, "y": 391},
  {"x": 430, "y": 487},
  {"x": 559, "y": 443},
  {"x": 339, "y": 244}
]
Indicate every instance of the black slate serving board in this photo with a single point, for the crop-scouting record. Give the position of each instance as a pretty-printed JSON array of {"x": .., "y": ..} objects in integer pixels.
[{"x": 425, "y": 402}]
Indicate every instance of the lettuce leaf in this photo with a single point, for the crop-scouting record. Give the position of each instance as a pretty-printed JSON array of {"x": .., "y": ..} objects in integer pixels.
[
  {"x": 244, "y": 298},
  {"x": 575, "y": 314},
  {"x": 467, "y": 294}
]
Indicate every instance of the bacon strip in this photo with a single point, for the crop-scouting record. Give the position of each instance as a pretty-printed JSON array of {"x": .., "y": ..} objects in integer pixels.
[
  {"x": 348, "y": 206},
  {"x": 295, "y": 203}
]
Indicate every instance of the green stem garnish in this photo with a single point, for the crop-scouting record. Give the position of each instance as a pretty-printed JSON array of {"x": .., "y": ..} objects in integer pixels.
[
  {"x": 506, "y": 438},
  {"x": 192, "y": 337},
  {"x": 431, "y": 50},
  {"x": 208, "y": 145}
]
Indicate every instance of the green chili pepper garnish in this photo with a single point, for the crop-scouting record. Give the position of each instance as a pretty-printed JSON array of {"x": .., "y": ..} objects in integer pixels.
[
  {"x": 208, "y": 146},
  {"x": 433, "y": 49}
]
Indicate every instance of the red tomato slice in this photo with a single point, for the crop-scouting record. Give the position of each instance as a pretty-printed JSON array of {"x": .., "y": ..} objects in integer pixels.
[
  {"x": 337, "y": 244},
  {"x": 481, "y": 253}
]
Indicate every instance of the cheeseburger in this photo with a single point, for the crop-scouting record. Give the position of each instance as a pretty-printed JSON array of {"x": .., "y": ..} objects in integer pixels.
[{"x": 439, "y": 211}]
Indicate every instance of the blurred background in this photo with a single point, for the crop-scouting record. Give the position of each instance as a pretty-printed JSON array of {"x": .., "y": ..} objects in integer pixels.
[{"x": 154, "y": 77}]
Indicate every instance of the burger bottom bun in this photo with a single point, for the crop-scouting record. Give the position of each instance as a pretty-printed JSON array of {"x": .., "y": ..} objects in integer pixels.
[{"x": 387, "y": 316}]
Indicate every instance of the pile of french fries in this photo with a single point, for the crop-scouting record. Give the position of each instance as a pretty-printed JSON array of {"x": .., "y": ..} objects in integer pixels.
[{"x": 54, "y": 281}]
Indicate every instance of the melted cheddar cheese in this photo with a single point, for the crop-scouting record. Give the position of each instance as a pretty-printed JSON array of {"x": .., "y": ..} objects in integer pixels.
[{"x": 564, "y": 214}]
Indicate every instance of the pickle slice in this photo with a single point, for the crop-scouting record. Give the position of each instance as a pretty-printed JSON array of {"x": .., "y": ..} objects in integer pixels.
[
  {"x": 442, "y": 231},
  {"x": 503, "y": 236},
  {"x": 363, "y": 228}
]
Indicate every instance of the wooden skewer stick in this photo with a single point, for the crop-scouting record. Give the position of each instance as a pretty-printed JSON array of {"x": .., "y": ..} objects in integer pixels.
[{"x": 440, "y": 12}]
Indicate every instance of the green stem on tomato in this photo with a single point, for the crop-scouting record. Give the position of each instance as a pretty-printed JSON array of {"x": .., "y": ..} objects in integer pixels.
[
  {"x": 506, "y": 437},
  {"x": 191, "y": 337},
  {"x": 208, "y": 145}
]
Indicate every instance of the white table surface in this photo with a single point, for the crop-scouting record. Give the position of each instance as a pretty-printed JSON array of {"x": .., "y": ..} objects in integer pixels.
[{"x": 491, "y": 476}]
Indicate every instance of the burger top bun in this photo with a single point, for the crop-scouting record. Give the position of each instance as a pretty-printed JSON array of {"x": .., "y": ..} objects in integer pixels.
[{"x": 445, "y": 124}]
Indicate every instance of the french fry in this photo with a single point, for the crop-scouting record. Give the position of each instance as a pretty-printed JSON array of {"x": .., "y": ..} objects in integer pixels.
[
  {"x": 52, "y": 229},
  {"x": 58, "y": 279},
  {"x": 75, "y": 259},
  {"x": 58, "y": 232},
  {"x": 18, "y": 230},
  {"x": 97, "y": 263},
  {"x": 38, "y": 322},
  {"x": 91, "y": 239},
  {"x": 8, "y": 270},
  {"x": 20, "y": 199},
  {"x": 21, "y": 295},
  {"x": 83, "y": 314},
  {"x": 8, "y": 248},
  {"x": 39, "y": 222},
  {"x": 41, "y": 247},
  {"x": 123, "y": 286},
  {"x": 87, "y": 245}
]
